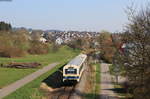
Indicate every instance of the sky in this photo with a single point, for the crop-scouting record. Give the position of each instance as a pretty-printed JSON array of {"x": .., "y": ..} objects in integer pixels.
[{"x": 81, "y": 15}]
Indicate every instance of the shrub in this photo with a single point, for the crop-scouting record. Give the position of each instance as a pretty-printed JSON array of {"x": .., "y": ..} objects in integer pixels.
[
  {"x": 10, "y": 45},
  {"x": 106, "y": 46},
  {"x": 38, "y": 48},
  {"x": 17, "y": 43},
  {"x": 11, "y": 52},
  {"x": 54, "y": 47}
]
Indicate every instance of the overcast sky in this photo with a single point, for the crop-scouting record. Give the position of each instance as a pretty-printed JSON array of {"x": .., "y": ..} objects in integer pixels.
[{"x": 82, "y": 15}]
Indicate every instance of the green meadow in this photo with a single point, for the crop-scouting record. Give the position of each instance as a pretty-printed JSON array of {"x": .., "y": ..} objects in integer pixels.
[{"x": 10, "y": 75}]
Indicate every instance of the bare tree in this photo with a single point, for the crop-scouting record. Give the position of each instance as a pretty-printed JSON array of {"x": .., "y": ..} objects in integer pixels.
[{"x": 136, "y": 57}]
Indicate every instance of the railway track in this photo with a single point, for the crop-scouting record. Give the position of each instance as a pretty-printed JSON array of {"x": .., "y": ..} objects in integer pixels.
[{"x": 63, "y": 93}]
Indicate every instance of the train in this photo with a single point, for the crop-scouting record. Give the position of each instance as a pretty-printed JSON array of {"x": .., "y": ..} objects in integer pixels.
[{"x": 74, "y": 69}]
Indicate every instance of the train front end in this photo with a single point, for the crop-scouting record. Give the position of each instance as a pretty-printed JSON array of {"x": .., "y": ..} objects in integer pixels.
[{"x": 70, "y": 73}]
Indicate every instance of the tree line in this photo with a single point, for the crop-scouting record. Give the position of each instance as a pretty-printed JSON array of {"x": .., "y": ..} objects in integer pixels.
[
  {"x": 5, "y": 26},
  {"x": 132, "y": 53},
  {"x": 16, "y": 43}
]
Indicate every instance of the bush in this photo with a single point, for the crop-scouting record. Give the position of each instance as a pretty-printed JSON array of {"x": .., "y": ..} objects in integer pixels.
[
  {"x": 106, "y": 46},
  {"x": 17, "y": 43},
  {"x": 10, "y": 45},
  {"x": 38, "y": 48},
  {"x": 54, "y": 47},
  {"x": 5, "y": 26},
  {"x": 11, "y": 52}
]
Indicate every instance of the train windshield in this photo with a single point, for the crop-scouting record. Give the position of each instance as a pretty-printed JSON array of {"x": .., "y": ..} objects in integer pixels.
[{"x": 70, "y": 71}]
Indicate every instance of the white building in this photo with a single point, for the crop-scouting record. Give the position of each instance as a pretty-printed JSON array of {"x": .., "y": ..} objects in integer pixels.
[
  {"x": 42, "y": 39},
  {"x": 59, "y": 41}
]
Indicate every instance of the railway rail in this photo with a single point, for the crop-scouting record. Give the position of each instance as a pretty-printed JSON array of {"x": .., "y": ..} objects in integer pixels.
[{"x": 72, "y": 74}]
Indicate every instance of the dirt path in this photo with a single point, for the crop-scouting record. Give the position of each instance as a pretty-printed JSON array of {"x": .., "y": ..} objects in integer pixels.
[
  {"x": 106, "y": 83},
  {"x": 14, "y": 86}
]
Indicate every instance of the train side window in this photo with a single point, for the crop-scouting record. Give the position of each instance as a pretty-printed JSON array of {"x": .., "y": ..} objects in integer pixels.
[
  {"x": 75, "y": 71},
  {"x": 66, "y": 71}
]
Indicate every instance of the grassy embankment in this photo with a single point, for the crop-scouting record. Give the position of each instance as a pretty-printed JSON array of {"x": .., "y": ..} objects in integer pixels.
[
  {"x": 95, "y": 85},
  {"x": 9, "y": 75},
  {"x": 32, "y": 90}
]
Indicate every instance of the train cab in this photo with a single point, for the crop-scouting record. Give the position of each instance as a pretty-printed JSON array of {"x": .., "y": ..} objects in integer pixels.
[{"x": 73, "y": 70}]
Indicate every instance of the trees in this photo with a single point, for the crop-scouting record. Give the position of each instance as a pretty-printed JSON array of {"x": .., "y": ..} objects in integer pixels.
[
  {"x": 136, "y": 60},
  {"x": 37, "y": 47},
  {"x": 106, "y": 46},
  {"x": 36, "y": 34},
  {"x": 12, "y": 44},
  {"x": 76, "y": 43},
  {"x": 5, "y": 26},
  {"x": 16, "y": 43}
]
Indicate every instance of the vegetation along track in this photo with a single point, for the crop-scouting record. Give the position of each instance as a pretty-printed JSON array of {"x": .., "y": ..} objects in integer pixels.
[{"x": 63, "y": 93}]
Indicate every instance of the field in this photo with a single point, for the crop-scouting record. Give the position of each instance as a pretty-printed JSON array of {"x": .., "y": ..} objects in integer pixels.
[
  {"x": 31, "y": 90},
  {"x": 9, "y": 75}
]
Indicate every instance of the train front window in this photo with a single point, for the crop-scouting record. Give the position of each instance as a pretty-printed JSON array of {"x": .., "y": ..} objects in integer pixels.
[{"x": 70, "y": 71}]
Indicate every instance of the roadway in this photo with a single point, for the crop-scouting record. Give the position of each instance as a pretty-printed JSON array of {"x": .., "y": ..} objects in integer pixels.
[{"x": 107, "y": 85}]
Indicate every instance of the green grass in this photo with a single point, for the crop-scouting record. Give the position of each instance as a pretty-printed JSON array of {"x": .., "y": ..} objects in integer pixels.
[
  {"x": 9, "y": 75},
  {"x": 97, "y": 87},
  {"x": 45, "y": 59},
  {"x": 96, "y": 83},
  {"x": 31, "y": 90}
]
